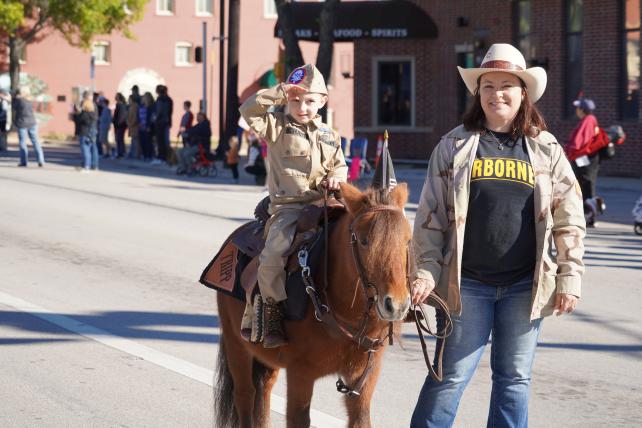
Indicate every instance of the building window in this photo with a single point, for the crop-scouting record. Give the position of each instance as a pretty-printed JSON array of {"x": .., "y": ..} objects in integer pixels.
[
  {"x": 522, "y": 28},
  {"x": 183, "y": 54},
  {"x": 164, "y": 7},
  {"x": 269, "y": 9},
  {"x": 102, "y": 53},
  {"x": 394, "y": 92},
  {"x": 204, "y": 8},
  {"x": 574, "y": 28},
  {"x": 630, "y": 99}
]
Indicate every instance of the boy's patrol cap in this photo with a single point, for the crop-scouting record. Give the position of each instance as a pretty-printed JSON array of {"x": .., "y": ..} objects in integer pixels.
[{"x": 308, "y": 77}]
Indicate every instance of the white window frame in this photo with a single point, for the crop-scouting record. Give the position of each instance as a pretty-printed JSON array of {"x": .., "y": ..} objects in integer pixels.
[
  {"x": 165, "y": 12},
  {"x": 269, "y": 9},
  {"x": 204, "y": 12},
  {"x": 375, "y": 91},
  {"x": 190, "y": 55},
  {"x": 107, "y": 46}
]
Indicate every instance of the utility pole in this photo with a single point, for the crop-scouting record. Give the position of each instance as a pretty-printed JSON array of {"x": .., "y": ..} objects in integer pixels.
[
  {"x": 204, "y": 61},
  {"x": 221, "y": 82},
  {"x": 232, "y": 102},
  {"x": 92, "y": 72}
]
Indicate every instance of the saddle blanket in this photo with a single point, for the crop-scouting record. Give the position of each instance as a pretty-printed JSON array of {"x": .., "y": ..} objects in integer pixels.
[{"x": 233, "y": 272}]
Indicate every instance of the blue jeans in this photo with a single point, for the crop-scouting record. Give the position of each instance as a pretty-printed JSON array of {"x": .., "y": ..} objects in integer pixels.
[
  {"x": 89, "y": 152},
  {"x": 504, "y": 312},
  {"x": 22, "y": 143}
]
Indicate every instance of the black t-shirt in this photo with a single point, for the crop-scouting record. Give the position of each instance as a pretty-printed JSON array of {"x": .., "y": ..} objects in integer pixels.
[{"x": 499, "y": 243}]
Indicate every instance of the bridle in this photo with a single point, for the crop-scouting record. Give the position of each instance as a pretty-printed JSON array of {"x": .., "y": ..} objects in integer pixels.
[
  {"x": 324, "y": 314},
  {"x": 356, "y": 255}
]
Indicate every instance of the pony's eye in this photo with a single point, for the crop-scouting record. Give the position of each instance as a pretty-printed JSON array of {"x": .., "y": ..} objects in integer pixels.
[{"x": 364, "y": 241}]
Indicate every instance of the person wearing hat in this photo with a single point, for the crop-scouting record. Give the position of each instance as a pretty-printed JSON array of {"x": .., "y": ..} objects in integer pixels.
[
  {"x": 498, "y": 192},
  {"x": 304, "y": 156},
  {"x": 585, "y": 167},
  {"x": 25, "y": 122},
  {"x": 5, "y": 118}
]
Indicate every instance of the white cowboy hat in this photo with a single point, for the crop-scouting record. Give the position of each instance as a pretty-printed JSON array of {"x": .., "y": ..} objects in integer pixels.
[{"x": 506, "y": 58}]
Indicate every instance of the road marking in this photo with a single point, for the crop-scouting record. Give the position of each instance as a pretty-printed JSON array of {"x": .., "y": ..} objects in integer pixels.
[{"x": 177, "y": 365}]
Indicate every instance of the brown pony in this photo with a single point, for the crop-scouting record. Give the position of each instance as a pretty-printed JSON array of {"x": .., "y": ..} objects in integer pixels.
[{"x": 247, "y": 372}]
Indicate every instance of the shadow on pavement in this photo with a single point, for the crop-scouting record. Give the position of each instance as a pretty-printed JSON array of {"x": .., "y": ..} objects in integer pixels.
[{"x": 127, "y": 324}]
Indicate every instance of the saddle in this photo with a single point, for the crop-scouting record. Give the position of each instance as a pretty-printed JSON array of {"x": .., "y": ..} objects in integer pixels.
[{"x": 234, "y": 269}]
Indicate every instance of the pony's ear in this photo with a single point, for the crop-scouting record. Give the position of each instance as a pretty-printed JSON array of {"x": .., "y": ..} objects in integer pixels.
[
  {"x": 399, "y": 195},
  {"x": 352, "y": 197}
]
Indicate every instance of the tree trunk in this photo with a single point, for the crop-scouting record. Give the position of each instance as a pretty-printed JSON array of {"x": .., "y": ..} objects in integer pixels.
[
  {"x": 326, "y": 44},
  {"x": 232, "y": 99},
  {"x": 15, "y": 48},
  {"x": 326, "y": 38},
  {"x": 293, "y": 55}
]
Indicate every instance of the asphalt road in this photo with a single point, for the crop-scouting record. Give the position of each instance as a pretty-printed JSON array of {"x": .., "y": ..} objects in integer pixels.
[{"x": 103, "y": 323}]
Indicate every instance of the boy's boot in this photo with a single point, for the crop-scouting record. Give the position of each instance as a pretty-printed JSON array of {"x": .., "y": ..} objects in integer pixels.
[{"x": 273, "y": 325}]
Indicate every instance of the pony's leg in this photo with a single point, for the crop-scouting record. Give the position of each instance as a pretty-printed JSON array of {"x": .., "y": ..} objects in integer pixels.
[
  {"x": 239, "y": 363},
  {"x": 359, "y": 406},
  {"x": 264, "y": 380},
  {"x": 300, "y": 386}
]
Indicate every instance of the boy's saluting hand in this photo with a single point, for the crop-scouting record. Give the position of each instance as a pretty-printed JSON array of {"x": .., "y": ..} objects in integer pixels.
[{"x": 293, "y": 91}]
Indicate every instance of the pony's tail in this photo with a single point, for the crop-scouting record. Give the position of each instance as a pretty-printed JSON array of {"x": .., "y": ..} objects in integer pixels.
[
  {"x": 260, "y": 372},
  {"x": 224, "y": 410}
]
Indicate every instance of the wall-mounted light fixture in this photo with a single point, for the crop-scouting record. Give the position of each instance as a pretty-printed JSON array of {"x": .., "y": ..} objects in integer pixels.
[
  {"x": 463, "y": 21},
  {"x": 345, "y": 65}
]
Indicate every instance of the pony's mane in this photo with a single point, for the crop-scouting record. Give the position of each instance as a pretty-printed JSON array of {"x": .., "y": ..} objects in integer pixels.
[
  {"x": 377, "y": 197},
  {"x": 385, "y": 238}
]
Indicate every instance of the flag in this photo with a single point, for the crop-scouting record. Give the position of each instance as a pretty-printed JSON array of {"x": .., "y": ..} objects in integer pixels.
[{"x": 384, "y": 176}]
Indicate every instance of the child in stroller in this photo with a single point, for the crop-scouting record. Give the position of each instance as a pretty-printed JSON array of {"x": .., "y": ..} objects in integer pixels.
[{"x": 195, "y": 156}]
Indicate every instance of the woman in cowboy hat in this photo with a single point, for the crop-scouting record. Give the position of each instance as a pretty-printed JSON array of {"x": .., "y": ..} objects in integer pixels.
[{"x": 498, "y": 192}]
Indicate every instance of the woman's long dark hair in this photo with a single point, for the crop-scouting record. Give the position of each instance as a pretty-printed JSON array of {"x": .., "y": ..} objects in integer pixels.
[{"x": 528, "y": 120}]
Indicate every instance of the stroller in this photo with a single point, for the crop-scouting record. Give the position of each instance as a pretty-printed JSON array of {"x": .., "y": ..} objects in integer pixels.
[
  {"x": 637, "y": 217},
  {"x": 202, "y": 163}
]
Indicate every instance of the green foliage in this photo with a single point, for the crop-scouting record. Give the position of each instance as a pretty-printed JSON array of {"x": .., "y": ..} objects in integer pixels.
[
  {"x": 78, "y": 21},
  {"x": 12, "y": 14}
]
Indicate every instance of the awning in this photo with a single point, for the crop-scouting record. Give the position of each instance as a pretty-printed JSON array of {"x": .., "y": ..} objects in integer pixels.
[{"x": 394, "y": 19}]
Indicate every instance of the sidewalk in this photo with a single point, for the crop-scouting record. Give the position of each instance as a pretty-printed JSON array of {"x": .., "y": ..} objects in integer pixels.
[{"x": 620, "y": 193}]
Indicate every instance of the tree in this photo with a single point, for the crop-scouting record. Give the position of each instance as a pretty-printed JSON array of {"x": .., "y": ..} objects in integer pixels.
[
  {"x": 293, "y": 55},
  {"x": 326, "y": 37},
  {"x": 25, "y": 21},
  {"x": 232, "y": 100}
]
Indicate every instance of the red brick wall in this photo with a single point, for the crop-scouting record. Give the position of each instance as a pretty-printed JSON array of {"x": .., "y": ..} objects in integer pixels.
[{"x": 436, "y": 76}]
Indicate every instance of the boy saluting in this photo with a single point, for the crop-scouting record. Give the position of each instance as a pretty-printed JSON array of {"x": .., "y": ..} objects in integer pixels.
[{"x": 304, "y": 155}]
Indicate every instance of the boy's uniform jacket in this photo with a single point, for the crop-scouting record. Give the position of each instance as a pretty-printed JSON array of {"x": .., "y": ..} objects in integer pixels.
[{"x": 300, "y": 156}]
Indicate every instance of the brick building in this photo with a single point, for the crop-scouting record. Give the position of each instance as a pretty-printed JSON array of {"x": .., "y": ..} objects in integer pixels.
[
  {"x": 163, "y": 51},
  {"x": 412, "y": 87}
]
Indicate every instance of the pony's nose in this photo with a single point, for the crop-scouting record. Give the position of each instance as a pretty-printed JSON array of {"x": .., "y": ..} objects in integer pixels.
[{"x": 393, "y": 310}]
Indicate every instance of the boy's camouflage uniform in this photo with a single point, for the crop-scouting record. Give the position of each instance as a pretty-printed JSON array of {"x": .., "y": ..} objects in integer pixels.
[{"x": 300, "y": 157}]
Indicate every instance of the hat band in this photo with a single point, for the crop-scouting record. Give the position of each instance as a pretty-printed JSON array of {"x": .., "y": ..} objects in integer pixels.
[{"x": 504, "y": 65}]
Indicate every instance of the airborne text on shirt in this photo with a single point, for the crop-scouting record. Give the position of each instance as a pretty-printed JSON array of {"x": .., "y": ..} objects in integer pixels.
[{"x": 503, "y": 169}]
